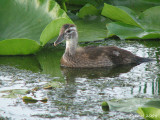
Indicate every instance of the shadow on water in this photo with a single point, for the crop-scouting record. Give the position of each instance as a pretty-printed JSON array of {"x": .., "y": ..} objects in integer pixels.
[
  {"x": 46, "y": 61},
  {"x": 49, "y": 59},
  {"x": 22, "y": 62},
  {"x": 94, "y": 73}
]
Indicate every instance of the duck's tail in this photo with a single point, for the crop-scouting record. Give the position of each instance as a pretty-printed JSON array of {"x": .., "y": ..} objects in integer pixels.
[{"x": 141, "y": 59}]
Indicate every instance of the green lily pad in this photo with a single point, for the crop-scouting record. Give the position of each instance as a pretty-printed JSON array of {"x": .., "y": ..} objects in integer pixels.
[
  {"x": 105, "y": 106},
  {"x": 14, "y": 93},
  {"x": 32, "y": 100},
  {"x": 150, "y": 18},
  {"x": 120, "y": 29},
  {"x": 25, "y": 25},
  {"x": 132, "y": 104},
  {"x": 88, "y": 9},
  {"x": 149, "y": 113},
  {"x": 18, "y": 46},
  {"x": 125, "y": 31},
  {"x": 129, "y": 26},
  {"x": 122, "y": 14},
  {"x": 29, "y": 99}
]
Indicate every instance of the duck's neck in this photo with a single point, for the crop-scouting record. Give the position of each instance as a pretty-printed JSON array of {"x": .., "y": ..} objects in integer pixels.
[{"x": 71, "y": 46}]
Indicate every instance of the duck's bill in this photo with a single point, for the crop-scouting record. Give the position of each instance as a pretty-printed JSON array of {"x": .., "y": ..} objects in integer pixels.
[{"x": 59, "y": 39}]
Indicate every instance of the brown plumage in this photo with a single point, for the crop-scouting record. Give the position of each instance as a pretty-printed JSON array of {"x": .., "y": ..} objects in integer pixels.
[{"x": 92, "y": 56}]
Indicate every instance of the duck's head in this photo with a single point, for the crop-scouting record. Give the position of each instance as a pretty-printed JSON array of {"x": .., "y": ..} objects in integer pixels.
[{"x": 69, "y": 33}]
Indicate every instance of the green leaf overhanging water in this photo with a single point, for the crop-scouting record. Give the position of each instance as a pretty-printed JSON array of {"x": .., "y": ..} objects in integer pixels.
[
  {"x": 132, "y": 26},
  {"x": 26, "y": 25}
]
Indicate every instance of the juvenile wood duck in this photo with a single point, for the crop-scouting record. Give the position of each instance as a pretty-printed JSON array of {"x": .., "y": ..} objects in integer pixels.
[{"x": 92, "y": 56}]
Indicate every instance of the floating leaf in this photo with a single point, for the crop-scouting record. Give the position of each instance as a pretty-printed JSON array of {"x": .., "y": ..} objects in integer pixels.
[
  {"x": 105, "y": 106},
  {"x": 149, "y": 113},
  {"x": 14, "y": 93},
  {"x": 132, "y": 104},
  {"x": 29, "y": 100}
]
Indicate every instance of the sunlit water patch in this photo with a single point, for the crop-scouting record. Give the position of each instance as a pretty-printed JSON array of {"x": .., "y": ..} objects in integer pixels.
[{"x": 76, "y": 93}]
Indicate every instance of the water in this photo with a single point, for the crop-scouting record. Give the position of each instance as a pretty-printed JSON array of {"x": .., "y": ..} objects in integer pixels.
[{"x": 77, "y": 94}]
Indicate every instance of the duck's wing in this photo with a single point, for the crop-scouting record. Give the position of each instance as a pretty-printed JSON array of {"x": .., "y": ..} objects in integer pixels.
[{"x": 114, "y": 54}]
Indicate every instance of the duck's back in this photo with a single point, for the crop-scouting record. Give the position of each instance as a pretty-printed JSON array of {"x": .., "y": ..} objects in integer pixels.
[{"x": 93, "y": 56}]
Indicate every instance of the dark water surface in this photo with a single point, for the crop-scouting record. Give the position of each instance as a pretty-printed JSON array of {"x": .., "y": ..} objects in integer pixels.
[{"x": 77, "y": 94}]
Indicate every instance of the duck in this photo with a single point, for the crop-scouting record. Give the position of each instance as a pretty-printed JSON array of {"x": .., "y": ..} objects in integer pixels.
[{"x": 92, "y": 56}]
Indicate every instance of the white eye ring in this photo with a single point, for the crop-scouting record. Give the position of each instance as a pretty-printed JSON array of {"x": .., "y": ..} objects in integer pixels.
[{"x": 70, "y": 30}]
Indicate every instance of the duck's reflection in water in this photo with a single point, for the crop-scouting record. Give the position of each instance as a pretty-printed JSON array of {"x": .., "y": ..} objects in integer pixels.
[
  {"x": 85, "y": 94},
  {"x": 94, "y": 73}
]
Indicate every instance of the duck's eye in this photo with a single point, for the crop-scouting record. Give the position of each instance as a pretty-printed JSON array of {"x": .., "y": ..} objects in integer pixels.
[{"x": 68, "y": 31}]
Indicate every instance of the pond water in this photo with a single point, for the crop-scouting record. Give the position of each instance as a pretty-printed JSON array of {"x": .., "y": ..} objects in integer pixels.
[{"x": 77, "y": 94}]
